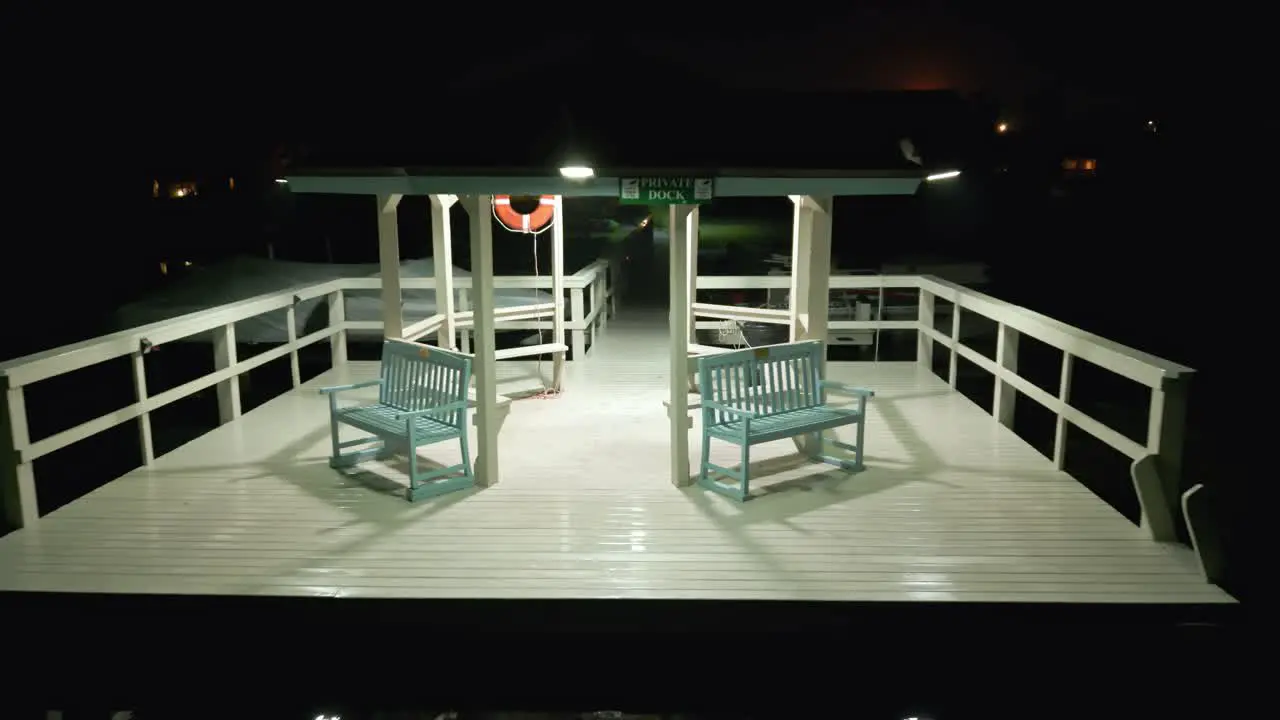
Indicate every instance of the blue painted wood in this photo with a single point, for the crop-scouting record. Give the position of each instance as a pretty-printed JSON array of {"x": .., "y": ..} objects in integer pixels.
[
  {"x": 422, "y": 400},
  {"x": 772, "y": 393}
]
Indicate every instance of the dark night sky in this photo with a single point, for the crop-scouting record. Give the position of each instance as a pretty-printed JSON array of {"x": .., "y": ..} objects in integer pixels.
[
  {"x": 908, "y": 45},
  {"x": 219, "y": 82}
]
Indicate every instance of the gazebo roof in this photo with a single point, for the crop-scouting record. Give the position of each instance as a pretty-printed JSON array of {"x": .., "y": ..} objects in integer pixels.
[
  {"x": 470, "y": 145},
  {"x": 802, "y": 136}
]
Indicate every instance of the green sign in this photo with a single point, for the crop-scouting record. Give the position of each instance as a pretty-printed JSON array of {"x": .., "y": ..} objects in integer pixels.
[{"x": 666, "y": 190}]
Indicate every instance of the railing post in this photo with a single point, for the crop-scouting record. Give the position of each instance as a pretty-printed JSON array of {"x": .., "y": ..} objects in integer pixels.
[
  {"x": 953, "y": 372},
  {"x": 924, "y": 341},
  {"x": 1166, "y": 430},
  {"x": 598, "y": 293},
  {"x": 577, "y": 315},
  {"x": 140, "y": 397},
  {"x": 337, "y": 319},
  {"x": 557, "y": 297},
  {"x": 291, "y": 326},
  {"x": 614, "y": 287},
  {"x": 442, "y": 259},
  {"x": 1007, "y": 358},
  {"x": 464, "y": 335},
  {"x": 224, "y": 356},
  {"x": 17, "y": 479},
  {"x": 1060, "y": 430}
]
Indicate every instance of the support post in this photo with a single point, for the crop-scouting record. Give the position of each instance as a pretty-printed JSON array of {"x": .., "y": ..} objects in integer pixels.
[
  {"x": 599, "y": 303},
  {"x": 389, "y": 265},
  {"x": 692, "y": 227},
  {"x": 1166, "y": 430},
  {"x": 578, "y": 313},
  {"x": 801, "y": 239},
  {"x": 557, "y": 293},
  {"x": 1060, "y": 430},
  {"x": 485, "y": 364},
  {"x": 17, "y": 478},
  {"x": 144, "y": 418},
  {"x": 337, "y": 319},
  {"x": 953, "y": 372},
  {"x": 678, "y": 387},
  {"x": 810, "y": 283},
  {"x": 924, "y": 341},
  {"x": 464, "y": 304},
  {"x": 291, "y": 327},
  {"x": 442, "y": 259},
  {"x": 1006, "y": 357},
  {"x": 224, "y": 356},
  {"x": 615, "y": 282},
  {"x": 810, "y": 268}
]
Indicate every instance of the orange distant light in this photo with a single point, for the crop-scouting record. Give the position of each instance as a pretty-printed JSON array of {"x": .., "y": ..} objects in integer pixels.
[{"x": 1002, "y": 128}]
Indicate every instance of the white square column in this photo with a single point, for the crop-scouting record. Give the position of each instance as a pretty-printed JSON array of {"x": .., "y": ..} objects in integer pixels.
[
  {"x": 442, "y": 259},
  {"x": 810, "y": 267},
  {"x": 810, "y": 282},
  {"x": 682, "y": 224},
  {"x": 389, "y": 265},
  {"x": 691, "y": 225},
  {"x": 485, "y": 364},
  {"x": 557, "y": 292}
]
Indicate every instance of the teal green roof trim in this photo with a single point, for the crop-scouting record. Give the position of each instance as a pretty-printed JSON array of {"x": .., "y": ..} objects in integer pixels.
[{"x": 402, "y": 183}]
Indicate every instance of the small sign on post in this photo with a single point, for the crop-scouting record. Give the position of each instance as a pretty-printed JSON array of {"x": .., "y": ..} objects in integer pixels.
[{"x": 666, "y": 190}]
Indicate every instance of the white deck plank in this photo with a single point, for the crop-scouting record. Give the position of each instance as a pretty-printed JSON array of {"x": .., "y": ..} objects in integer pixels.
[{"x": 953, "y": 506}]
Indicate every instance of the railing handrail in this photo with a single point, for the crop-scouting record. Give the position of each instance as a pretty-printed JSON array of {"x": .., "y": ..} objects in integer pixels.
[
  {"x": 1136, "y": 365},
  {"x": 69, "y": 358},
  {"x": 49, "y": 363},
  {"x": 1139, "y": 366}
]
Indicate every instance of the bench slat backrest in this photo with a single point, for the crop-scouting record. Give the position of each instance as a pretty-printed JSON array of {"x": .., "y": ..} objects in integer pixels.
[
  {"x": 763, "y": 380},
  {"x": 421, "y": 377}
]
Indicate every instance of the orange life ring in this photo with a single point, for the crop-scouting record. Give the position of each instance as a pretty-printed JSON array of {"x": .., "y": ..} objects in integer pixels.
[{"x": 535, "y": 222}]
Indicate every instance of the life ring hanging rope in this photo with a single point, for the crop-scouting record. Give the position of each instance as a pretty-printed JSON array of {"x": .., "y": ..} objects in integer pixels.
[{"x": 530, "y": 214}]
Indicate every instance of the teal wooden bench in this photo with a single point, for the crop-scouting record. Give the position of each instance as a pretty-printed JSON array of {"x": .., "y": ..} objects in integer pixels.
[
  {"x": 422, "y": 400},
  {"x": 769, "y": 393}
]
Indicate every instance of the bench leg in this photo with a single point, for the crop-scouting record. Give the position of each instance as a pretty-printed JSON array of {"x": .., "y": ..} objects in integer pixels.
[
  {"x": 741, "y": 493},
  {"x": 355, "y": 457},
  {"x": 854, "y": 465},
  {"x": 705, "y": 465},
  {"x": 436, "y": 482},
  {"x": 466, "y": 456},
  {"x": 340, "y": 459}
]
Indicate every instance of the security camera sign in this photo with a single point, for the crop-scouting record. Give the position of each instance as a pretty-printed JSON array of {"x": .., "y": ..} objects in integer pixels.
[{"x": 666, "y": 190}]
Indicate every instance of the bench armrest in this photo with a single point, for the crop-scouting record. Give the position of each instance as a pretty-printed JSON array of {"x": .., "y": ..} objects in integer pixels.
[
  {"x": 353, "y": 386},
  {"x": 839, "y": 387},
  {"x": 725, "y": 408},
  {"x": 459, "y": 405}
]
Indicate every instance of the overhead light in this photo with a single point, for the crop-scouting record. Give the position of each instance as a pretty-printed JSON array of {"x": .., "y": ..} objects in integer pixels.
[
  {"x": 281, "y": 181},
  {"x": 577, "y": 172},
  {"x": 943, "y": 175}
]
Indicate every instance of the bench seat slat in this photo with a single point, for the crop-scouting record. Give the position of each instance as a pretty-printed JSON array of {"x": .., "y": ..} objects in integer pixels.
[
  {"x": 787, "y": 424},
  {"x": 381, "y": 420}
]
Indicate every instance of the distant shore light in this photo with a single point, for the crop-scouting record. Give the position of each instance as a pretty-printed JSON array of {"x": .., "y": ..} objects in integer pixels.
[{"x": 577, "y": 172}]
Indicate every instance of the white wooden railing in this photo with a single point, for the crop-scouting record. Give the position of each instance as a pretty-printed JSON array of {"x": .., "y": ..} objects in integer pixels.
[
  {"x": 1166, "y": 381},
  {"x": 591, "y": 301}
]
